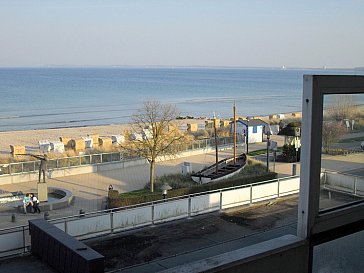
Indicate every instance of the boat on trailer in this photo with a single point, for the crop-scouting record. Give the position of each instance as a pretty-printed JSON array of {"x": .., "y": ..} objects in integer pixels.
[{"x": 226, "y": 168}]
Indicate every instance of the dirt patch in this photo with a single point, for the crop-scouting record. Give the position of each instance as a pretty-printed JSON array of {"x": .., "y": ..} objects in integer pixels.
[
  {"x": 149, "y": 244},
  {"x": 170, "y": 239},
  {"x": 262, "y": 217}
]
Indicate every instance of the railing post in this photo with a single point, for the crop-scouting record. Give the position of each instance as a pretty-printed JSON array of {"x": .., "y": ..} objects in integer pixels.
[
  {"x": 251, "y": 194},
  {"x": 24, "y": 250},
  {"x": 355, "y": 185},
  {"x": 22, "y": 167},
  {"x": 79, "y": 162},
  {"x": 57, "y": 163},
  {"x": 101, "y": 158},
  {"x": 279, "y": 183},
  {"x": 220, "y": 199},
  {"x": 152, "y": 213},
  {"x": 111, "y": 222},
  {"x": 66, "y": 227},
  {"x": 189, "y": 206}
]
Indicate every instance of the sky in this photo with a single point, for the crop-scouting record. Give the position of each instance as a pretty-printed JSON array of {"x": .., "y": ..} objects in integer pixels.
[{"x": 256, "y": 33}]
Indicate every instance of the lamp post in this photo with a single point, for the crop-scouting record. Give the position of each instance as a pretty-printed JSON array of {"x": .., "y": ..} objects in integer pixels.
[
  {"x": 247, "y": 135},
  {"x": 165, "y": 188},
  {"x": 297, "y": 134},
  {"x": 268, "y": 137}
]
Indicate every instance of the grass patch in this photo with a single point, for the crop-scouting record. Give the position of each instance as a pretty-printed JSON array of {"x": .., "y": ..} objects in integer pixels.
[
  {"x": 262, "y": 151},
  {"x": 176, "y": 181}
]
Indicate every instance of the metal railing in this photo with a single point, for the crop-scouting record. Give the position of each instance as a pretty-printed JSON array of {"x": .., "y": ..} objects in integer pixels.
[
  {"x": 87, "y": 225},
  {"x": 101, "y": 158}
]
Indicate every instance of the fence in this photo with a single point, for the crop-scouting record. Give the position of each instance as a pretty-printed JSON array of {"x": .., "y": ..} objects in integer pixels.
[
  {"x": 343, "y": 182},
  {"x": 16, "y": 240},
  {"x": 92, "y": 159}
]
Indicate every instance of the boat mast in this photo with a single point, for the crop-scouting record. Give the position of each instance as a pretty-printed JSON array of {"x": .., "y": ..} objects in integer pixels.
[
  {"x": 216, "y": 148},
  {"x": 234, "y": 133}
]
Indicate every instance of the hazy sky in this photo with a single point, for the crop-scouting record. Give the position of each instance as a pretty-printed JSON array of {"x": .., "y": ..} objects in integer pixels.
[{"x": 182, "y": 33}]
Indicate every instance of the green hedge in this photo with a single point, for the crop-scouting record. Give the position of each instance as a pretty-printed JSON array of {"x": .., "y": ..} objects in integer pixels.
[{"x": 127, "y": 199}]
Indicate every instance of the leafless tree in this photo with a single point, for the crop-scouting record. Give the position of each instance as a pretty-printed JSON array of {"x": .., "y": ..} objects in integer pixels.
[
  {"x": 331, "y": 133},
  {"x": 342, "y": 107},
  {"x": 158, "y": 133}
]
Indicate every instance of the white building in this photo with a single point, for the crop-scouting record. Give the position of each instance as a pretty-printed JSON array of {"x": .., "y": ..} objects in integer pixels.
[{"x": 253, "y": 129}]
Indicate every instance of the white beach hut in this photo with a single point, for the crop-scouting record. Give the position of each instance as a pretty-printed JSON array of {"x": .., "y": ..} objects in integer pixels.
[{"x": 252, "y": 129}]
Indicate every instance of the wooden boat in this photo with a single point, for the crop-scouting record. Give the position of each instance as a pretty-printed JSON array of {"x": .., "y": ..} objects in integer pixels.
[{"x": 225, "y": 168}]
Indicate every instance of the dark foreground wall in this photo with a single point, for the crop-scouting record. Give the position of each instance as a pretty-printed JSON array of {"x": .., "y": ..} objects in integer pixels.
[{"x": 62, "y": 251}]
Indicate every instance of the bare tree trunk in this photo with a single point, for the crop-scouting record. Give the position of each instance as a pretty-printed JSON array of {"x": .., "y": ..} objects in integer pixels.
[{"x": 151, "y": 175}]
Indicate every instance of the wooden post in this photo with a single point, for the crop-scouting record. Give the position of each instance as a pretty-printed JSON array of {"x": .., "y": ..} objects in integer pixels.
[
  {"x": 234, "y": 134},
  {"x": 216, "y": 148}
]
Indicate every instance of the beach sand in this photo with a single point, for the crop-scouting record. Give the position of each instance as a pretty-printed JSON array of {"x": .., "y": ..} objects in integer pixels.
[{"x": 30, "y": 138}]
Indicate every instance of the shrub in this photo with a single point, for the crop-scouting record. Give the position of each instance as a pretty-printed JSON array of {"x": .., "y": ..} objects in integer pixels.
[
  {"x": 289, "y": 154},
  {"x": 176, "y": 181},
  {"x": 253, "y": 172}
]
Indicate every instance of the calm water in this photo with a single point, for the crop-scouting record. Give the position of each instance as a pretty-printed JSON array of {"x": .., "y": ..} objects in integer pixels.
[{"x": 35, "y": 98}]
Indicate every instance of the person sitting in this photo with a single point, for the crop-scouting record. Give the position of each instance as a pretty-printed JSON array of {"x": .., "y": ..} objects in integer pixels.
[
  {"x": 27, "y": 202},
  {"x": 35, "y": 204}
]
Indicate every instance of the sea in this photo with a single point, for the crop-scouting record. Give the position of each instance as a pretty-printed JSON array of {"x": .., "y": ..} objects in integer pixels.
[{"x": 58, "y": 97}]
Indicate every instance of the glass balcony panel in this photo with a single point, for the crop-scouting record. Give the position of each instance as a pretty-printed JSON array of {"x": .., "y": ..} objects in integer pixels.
[
  {"x": 28, "y": 167},
  {"x": 52, "y": 164},
  {"x": 16, "y": 168},
  {"x": 63, "y": 163},
  {"x": 74, "y": 161},
  {"x": 96, "y": 159},
  {"x": 85, "y": 160},
  {"x": 342, "y": 158},
  {"x": 115, "y": 157}
]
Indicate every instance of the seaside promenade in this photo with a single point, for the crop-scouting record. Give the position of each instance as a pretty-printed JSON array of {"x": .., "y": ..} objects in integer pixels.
[{"x": 90, "y": 190}]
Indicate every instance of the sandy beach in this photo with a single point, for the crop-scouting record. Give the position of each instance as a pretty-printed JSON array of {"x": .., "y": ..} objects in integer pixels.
[{"x": 30, "y": 138}]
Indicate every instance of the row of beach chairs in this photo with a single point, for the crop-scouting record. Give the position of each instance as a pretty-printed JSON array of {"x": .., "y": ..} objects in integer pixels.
[{"x": 83, "y": 143}]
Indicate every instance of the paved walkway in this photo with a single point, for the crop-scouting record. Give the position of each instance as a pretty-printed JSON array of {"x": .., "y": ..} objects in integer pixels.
[{"x": 90, "y": 190}]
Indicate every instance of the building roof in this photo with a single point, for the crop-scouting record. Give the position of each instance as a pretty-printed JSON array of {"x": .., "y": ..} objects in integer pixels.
[{"x": 252, "y": 122}]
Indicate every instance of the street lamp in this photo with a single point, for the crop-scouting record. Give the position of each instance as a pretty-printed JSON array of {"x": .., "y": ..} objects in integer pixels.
[
  {"x": 165, "y": 188},
  {"x": 247, "y": 135},
  {"x": 297, "y": 134},
  {"x": 268, "y": 133}
]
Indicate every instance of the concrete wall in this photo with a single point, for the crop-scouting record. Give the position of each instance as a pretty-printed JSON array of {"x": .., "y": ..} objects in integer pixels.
[{"x": 283, "y": 254}]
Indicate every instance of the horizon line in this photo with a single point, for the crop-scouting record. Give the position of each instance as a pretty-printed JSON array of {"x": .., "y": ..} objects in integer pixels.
[{"x": 283, "y": 67}]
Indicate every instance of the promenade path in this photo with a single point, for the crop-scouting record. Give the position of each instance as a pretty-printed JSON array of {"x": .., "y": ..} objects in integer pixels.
[{"x": 90, "y": 190}]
